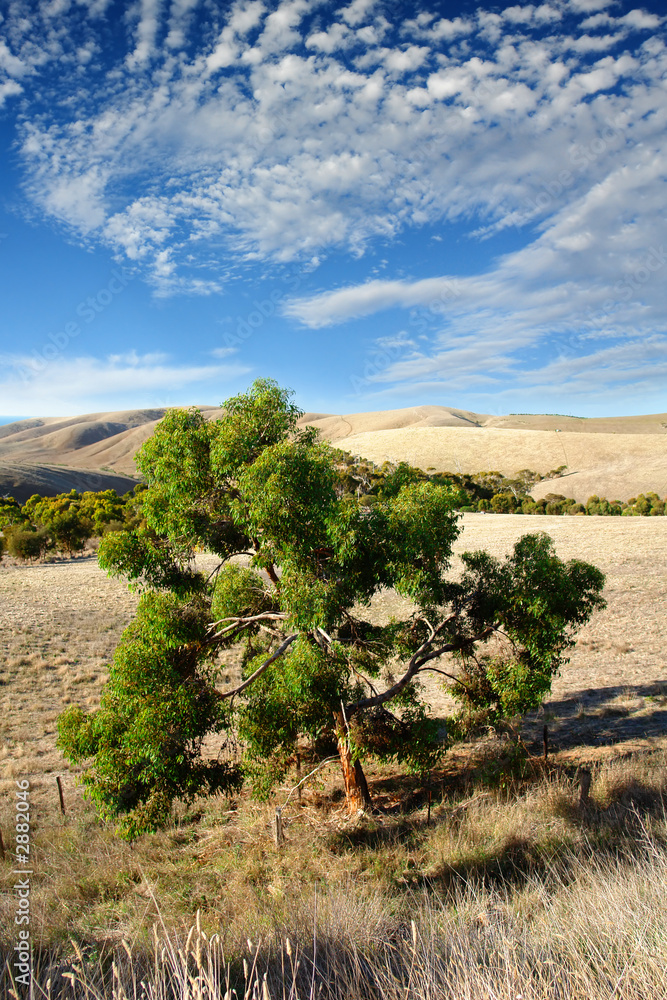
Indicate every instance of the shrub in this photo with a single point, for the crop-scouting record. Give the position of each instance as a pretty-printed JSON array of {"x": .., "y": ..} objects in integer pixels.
[{"x": 26, "y": 544}]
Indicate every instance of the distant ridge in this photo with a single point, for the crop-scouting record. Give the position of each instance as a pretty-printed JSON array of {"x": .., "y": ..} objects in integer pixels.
[
  {"x": 616, "y": 457},
  {"x": 22, "y": 480}
]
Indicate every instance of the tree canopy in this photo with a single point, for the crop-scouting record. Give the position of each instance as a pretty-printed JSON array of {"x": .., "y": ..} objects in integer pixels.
[{"x": 301, "y": 554}]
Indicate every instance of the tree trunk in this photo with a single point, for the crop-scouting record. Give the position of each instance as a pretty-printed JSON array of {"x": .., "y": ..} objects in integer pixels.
[{"x": 357, "y": 795}]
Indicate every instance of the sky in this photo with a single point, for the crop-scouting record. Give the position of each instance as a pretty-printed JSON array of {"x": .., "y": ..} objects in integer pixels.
[{"x": 378, "y": 205}]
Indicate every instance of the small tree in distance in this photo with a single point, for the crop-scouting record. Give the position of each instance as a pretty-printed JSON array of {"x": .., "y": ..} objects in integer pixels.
[{"x": 300, "y": 557}]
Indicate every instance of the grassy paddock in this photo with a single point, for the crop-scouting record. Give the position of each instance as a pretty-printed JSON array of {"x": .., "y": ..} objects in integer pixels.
[{"x": 513, "y": 889}]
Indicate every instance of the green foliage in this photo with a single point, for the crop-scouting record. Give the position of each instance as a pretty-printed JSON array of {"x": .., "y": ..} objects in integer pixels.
[
  {"x": 25, "y": 543},
  {"x": 102, "y": 509},
  {"x": 323, "y": 533},
  {"x": 10, "y": 512},
  {"x": 539, "y": 602},
  {"x": 294, "y": 698},
  {"x": 62, "y": 518},
  {"x": 646, "y": 505},
  {"x": 503, "y": 503},
  {"x": 66, "y": 521},
  {"x": 285, "y": 497},
  {"x": 158, "y": 705},
  {"x": 148, "y": 561},
  {"x": 175, "y": 462},
  {"x": 240, "y": 593},
  {"x": 412, "y": 740}
]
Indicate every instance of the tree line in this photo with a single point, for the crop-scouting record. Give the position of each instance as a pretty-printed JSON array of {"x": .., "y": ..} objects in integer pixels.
[{"x": 64, "y": 523}]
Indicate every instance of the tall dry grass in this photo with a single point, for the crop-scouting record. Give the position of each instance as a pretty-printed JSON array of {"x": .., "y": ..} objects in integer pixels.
[
  {"x": 509, "y": 893},
  {"x": 585, "y": 931}
]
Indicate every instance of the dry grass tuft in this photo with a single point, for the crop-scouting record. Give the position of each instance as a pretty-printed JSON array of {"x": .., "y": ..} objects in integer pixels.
[{"x": 589, "y": 929}]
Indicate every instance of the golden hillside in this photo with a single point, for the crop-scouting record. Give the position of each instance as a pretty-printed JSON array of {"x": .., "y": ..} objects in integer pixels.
[{"x": 616, "y": 457}]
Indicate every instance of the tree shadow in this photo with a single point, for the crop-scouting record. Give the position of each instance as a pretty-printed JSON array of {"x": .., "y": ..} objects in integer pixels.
[
  {"x": 613, "y": 830},
  {"x": 600, "y": 716}
]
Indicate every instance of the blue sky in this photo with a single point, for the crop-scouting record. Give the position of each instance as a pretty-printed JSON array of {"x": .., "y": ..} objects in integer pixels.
[{"x": 377, "y": 204}]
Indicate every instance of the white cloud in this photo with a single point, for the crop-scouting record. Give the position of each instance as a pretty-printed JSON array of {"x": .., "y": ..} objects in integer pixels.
[
  {"x": 446, "y": 28},
  {"x": 641, "y": 19},
  {"x": 337, "y": 36},
  {"x": 10, "y": 88},
  {"x": 148, "y": 22},
  {"x": 545, "y": 13},
  {"x": 587, "y": 6},
  {"x": 10, "y": 63},
  {"x": 242, "y": 20},
  {"x": 278, "y": 136},
  {"x": 38, "y": 384},
  {"x": 357, "y": 11},
  {"x": 595, "y": 273},
  {"x": 373, "y": 296}
]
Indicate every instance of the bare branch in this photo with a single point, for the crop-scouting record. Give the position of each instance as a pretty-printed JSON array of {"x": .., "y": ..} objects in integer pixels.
[
  {"x": 416, "y": 663},
  {"x": 226, "y": 559},
  {"x": 260, "y": 670},
  {"x": 274, "y": 616},
  {"x": 363, "y": 678},
  {"x": 452, "y": 677},
  {"x": 327, "y": 760}
]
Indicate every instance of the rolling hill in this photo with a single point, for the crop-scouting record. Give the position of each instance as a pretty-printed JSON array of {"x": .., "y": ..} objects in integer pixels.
[{"x": 616, "y": 457}]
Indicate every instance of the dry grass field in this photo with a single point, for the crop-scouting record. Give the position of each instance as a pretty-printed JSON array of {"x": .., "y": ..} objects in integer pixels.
[
  {"x": 614, "y": 465},
  {"x": 60, "y": 622},
  {"x": 511, "y": 888}
]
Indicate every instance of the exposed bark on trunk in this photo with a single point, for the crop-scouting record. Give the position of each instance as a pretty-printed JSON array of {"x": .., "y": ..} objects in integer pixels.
[{"x": 357, "y": 795}]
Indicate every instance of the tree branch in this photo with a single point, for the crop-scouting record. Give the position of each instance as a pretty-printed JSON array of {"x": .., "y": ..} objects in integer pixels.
[
  {"x": 260, "y": 670},
  {"x": 452, "y": 677},
  {"x": 416, "y": 663},
  {"x": 226, "y": 559},
  {"x": 241, "y": 621}
]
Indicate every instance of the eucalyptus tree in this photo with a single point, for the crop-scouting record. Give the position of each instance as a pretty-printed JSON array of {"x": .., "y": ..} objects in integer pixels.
[{"x": 301, "y": 556}]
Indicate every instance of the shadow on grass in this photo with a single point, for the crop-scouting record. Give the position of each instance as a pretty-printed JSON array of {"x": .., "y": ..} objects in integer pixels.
[
  {"x": 603, "y": 716},
  {"x": 611, "y": 826}
]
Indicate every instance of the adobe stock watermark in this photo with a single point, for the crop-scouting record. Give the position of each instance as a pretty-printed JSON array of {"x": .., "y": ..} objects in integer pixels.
[
  {"x": 628, "y": 285},
  {"x": 265, "y": 308},
  {"x": 86, "y": 312},
  {"x": 388, "y": 353},
  {"x": 22, "y": 956},
  {"x": 632, "y": 282},
  {"x": 582, "y": 156}
]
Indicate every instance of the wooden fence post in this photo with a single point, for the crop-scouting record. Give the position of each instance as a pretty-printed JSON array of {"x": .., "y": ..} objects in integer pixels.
[
  {"x": 60, "y": 793},
  {"x": 279, "y": 832},
  {"x": 584, "y": 786}
]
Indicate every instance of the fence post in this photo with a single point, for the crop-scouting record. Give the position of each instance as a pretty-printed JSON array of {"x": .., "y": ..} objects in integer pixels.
[
  {"x": 60, "y": 793},
  {"x": 279, "y": 833},
  {"x": 584, "y": 786}
]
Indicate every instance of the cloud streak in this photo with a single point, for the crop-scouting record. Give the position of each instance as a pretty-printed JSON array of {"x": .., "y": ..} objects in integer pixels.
[{"x": 31, "y": 386}]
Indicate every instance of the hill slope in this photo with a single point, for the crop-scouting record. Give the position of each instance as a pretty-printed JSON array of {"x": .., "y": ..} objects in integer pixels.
[
  {"x": 616, "y": 457},
  {"x": 22, "y": 480}
]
